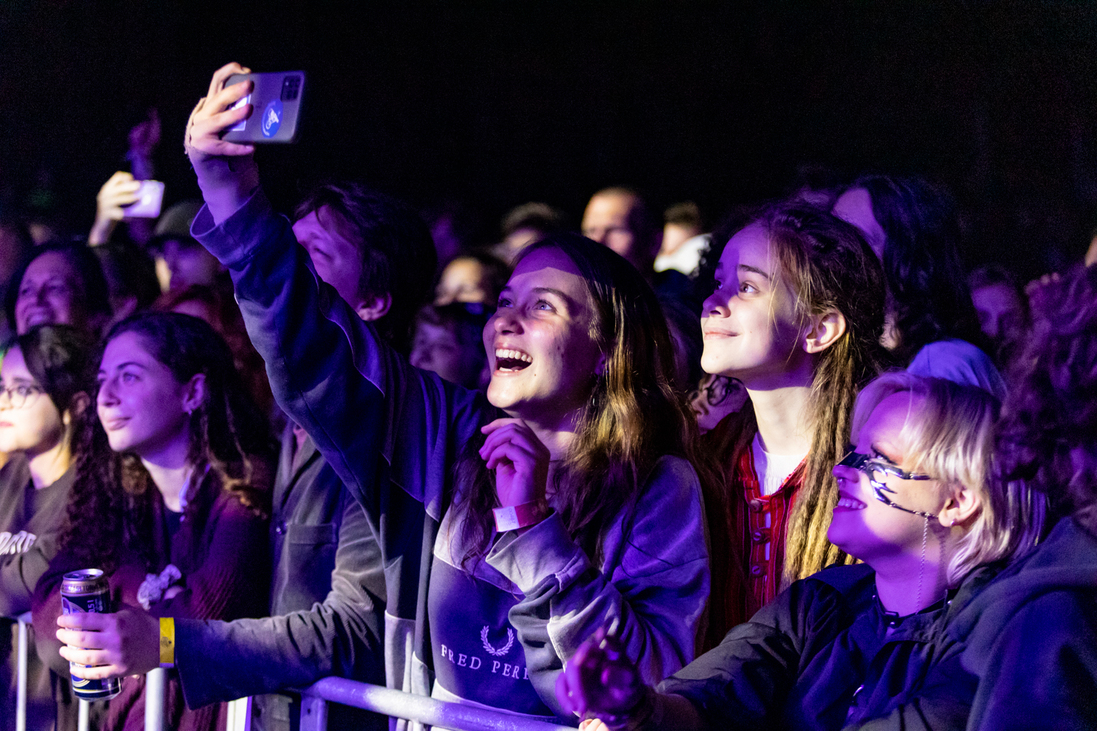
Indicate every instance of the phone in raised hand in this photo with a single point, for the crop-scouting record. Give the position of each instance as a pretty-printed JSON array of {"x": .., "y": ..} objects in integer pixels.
[{"x": 150, "y": 196}]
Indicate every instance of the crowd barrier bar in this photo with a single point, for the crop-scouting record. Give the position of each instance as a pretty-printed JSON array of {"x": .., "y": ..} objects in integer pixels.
[
  {"x": 83, "y": 713},
  {"x": 156, "y": 682},
  {"x": 22, "y": 645},
  {"x": 422, "y": 709},
  {"x": 314, "y": 700}
]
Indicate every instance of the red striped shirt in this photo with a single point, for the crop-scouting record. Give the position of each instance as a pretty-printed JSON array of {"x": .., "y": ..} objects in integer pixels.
[{"x": 765, "y": 526}]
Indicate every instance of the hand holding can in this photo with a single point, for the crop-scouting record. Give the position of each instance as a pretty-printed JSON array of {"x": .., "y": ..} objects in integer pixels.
[{"x": 88, "y": 591}]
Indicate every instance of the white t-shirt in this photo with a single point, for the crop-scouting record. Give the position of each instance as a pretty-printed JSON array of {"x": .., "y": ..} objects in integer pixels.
[{"x": 773, "y": 469}]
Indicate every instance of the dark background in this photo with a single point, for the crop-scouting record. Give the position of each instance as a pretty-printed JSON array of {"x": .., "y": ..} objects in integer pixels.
[{"x": 497, "y": 103}]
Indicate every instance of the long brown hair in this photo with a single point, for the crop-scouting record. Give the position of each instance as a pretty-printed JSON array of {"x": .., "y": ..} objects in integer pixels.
[
  {"x": 633, "y": 415},
  {"x": 113, "y": 493},
  {"x": 828, "y": 266}
]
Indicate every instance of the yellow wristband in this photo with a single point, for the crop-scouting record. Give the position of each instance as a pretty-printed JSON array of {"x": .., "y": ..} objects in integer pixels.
[{"x": 167, "y": 642}]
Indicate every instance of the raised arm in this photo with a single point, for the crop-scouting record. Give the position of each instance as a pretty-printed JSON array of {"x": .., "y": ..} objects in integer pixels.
[{"x": 377, "y": 421}]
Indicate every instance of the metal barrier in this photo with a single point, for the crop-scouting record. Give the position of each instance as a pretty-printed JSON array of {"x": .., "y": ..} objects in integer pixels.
[
  {"x": 156, "y": 682},
  {"x": 314, "y": 700},
  {"x": 22, "y": 645},
  {"x": 388, "y": 702},
  {"x": 419, "y": 708}
]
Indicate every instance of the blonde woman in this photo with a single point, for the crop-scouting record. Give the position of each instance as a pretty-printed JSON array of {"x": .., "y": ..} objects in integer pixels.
[{"x": 854, "y": 644}]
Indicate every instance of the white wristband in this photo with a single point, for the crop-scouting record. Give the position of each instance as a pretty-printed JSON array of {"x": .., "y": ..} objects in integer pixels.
[{"x": 514, "y": 517}]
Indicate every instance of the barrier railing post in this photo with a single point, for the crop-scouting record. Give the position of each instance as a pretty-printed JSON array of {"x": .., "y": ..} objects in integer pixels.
[
  {"x": 155, "y": 698},
  {"x": 23, "y": 643},
  {"x": 82, "y": 713},
  {"x": 239, "y": 715},
  {"x": 421, "y": 709},
  {"x": 314, "y": 713}
]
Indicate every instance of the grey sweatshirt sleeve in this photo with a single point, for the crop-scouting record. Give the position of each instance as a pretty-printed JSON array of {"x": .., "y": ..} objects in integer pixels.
[
  {"x": 653, "y": 581},
  {"x": 220, "y": 661}
]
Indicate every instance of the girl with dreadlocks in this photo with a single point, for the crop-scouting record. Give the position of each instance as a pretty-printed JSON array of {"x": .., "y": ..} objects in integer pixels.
[{"x": 796, "y": 316}]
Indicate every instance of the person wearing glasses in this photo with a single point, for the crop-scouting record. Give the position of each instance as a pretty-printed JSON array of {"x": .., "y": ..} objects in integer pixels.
[
  {"x": 716, "y": 397},
  {"x": 863, "y": 646},
  {"x": 45, "y": 381}
]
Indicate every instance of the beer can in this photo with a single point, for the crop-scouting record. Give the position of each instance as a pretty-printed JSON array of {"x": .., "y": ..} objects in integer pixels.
[{"x": 89, "y": 591}]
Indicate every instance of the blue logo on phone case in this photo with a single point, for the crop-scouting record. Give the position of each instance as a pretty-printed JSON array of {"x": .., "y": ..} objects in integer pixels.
[{"x": 272, "y": 118}]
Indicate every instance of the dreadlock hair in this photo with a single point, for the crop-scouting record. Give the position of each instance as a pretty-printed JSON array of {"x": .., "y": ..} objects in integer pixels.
[
  {"x": 632, "y": 417},
  {"x": 827, "y": 265},
  {"x": 113, "y": 494}
]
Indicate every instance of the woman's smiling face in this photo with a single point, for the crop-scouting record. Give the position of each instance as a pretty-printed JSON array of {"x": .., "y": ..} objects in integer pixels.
[
  {"x": 862, "y": 525},
  {"x": 541, "y": 353},
  {"x": 751, "y": 328},
  {"x": 50, "y": 293},
  {"x": 141, "y": 406}
]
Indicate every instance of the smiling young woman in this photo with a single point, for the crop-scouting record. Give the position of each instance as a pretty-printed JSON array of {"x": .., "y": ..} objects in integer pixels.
[
  {"x": 45, "y": 382},
  {"x": 509, "y": 530},
  {"x": 865, "y": 646},
  {"x": 59, "y": 284},
  {"x": 795, "y": 316},
  {"x": 171, "y": 494},
  {"x": 545, "y": 512}
]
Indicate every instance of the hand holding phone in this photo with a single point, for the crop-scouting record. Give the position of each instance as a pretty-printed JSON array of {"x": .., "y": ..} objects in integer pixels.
[
  {"x": 149, "y": 198},
  {"x": 226, "y": 170}
]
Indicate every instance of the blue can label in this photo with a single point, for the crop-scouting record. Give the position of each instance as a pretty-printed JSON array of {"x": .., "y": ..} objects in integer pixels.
[{"x": 91, "y": 595}]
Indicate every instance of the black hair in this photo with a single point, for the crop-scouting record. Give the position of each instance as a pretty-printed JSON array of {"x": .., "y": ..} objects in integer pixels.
[
  {"x": 94, "y": 295},
  {"x": 466, "y": 320},
  {"x": 398, "y": 254},
  {"x": 926, "y": 287},
  {"x": 130, "y": 272},
  {"x": 540, "y": 217},
  {"x": 112, "y": 501},
  {"x": 496, "y": 272},
  {"x": 60, "y": 358}
]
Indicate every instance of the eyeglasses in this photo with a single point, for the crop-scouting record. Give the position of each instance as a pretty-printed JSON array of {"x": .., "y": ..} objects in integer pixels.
[
  {"x": 718, "y": 390},
  {"x": 872, "y": 467},
  {"x": 20, "y": 395}
]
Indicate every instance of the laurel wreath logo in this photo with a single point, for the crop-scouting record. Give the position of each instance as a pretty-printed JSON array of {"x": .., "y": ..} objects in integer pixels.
[{"x": 491, "y": 650}]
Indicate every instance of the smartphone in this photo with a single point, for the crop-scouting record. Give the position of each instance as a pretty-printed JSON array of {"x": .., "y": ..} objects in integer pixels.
[
  {"x": 276, "y": 107},
  {"x": 150, "y": 196}
]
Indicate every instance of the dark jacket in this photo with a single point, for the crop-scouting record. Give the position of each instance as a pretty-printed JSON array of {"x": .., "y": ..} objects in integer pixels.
[
  {"x": 30, "y": 522},
  {"x": 220, "y": 549},
  {"x": 825, "y": 655},
  {"x": 394, "y": 435},
  {"x": 327, "y": 603},
  {"x": 1032, "y": 639}
]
